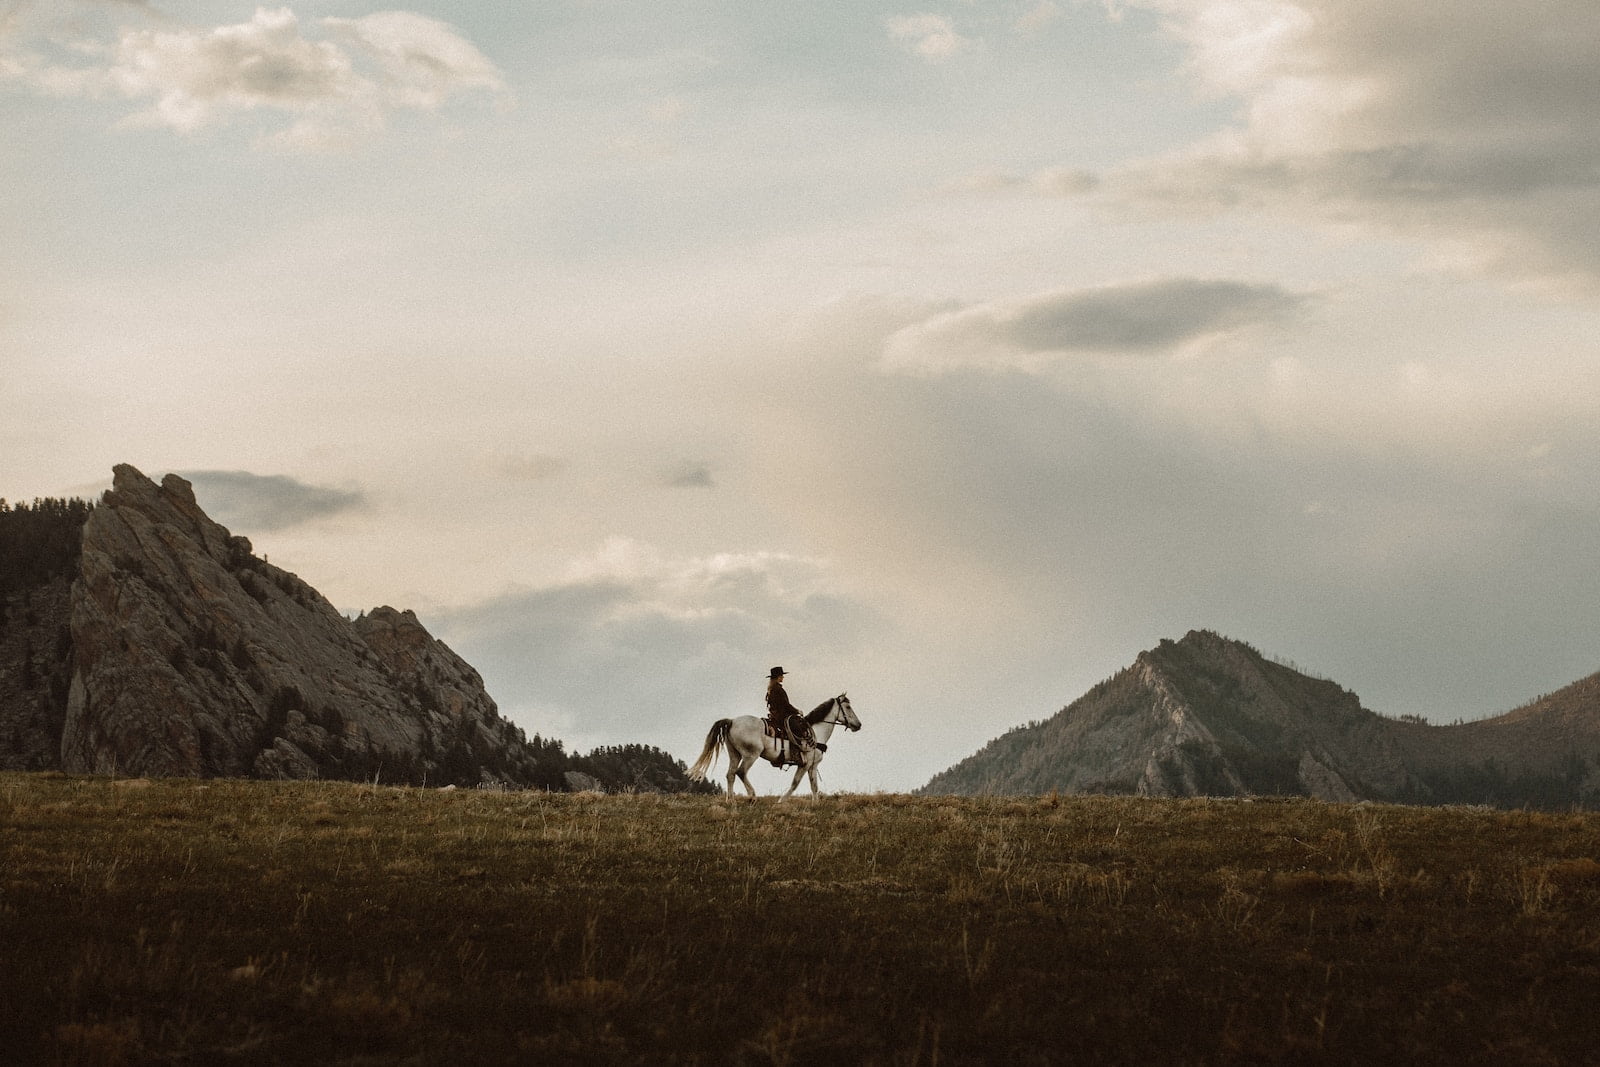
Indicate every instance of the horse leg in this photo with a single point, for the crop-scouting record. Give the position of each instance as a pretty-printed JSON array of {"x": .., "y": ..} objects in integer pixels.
[
  {"x": 740, "y": 767},
  {"x": 811, "y": 772},
  {"x": 799, "y": 773},
  {"x": 736, "y": 772}
]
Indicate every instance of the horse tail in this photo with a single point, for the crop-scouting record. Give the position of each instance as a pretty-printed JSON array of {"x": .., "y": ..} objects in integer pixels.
[{"x": 717, "y": 738}]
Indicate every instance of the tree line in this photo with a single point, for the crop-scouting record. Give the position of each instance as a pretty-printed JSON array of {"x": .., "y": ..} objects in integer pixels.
[{"x": 40, "y": 542}]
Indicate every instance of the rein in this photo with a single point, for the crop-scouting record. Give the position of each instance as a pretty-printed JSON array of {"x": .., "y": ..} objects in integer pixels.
[{"x": 835, "y": 715}]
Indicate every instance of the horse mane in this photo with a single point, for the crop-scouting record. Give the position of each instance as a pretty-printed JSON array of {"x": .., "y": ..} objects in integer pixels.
[{"x": 818, "y": 713}]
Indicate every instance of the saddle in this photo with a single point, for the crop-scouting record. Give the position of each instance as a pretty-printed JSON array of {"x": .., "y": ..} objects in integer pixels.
[{"x": 791, "y": 740}]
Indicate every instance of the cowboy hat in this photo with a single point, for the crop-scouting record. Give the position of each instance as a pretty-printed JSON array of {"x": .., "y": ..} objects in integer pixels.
[{"x": 776, "y": 672}]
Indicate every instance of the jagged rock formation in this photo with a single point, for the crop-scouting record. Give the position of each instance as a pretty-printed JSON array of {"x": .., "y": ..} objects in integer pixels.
[
  {"x": 193, "y": 657},
  {"x": 1206, "y": 716},
  {"x": 148, "y": 640}
]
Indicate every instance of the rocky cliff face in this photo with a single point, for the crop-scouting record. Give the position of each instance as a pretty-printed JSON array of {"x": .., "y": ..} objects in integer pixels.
[
  {"x": 1206, "y": 716},
  {"x": 193, "y": 657}
]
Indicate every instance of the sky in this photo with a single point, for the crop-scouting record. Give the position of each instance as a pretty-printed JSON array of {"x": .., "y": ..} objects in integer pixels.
[{"x": 946, "y": 354}]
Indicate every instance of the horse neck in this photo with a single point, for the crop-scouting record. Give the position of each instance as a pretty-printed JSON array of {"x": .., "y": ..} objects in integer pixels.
[{"x": 824, "y": 729}]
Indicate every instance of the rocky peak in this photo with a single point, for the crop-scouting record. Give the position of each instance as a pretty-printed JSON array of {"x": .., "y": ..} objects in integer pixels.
[
  {"x": 141, "y": 502},
  {"x": 140, "y": 637},
  {"x": 1204, "y": 715},
  {"x": 193, "y": 657}
]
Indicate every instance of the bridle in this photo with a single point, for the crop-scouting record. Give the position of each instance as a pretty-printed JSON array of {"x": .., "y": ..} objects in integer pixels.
[{"x": 839, "y": 704}]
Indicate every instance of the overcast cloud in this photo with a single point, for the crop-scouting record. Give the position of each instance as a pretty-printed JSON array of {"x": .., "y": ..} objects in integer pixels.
[
  {"x": 946, "y": 355},
  {"x": 1134, "y": 318},
  {"x": 266, "y": 502},
  {"x": 1468, "y": 123}
]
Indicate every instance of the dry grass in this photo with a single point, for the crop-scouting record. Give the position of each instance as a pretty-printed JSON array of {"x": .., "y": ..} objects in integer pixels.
[{"x": 202, "y": 922}]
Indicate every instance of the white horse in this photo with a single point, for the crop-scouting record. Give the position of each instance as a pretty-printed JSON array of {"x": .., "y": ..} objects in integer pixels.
[{"x": 746, "y": 741}]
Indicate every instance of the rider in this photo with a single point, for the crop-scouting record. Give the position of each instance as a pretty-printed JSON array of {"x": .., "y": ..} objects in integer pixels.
[{"x": 780, "y": 711}]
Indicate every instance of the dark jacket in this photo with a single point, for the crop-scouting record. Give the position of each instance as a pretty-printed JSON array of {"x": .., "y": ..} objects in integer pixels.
[{"x": 778, "y": 707}]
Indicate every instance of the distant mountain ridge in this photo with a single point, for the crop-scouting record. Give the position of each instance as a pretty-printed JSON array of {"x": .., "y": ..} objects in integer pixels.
[
  {"x": 1210, "y": 716},
  {"x": 161, "y": 645}
]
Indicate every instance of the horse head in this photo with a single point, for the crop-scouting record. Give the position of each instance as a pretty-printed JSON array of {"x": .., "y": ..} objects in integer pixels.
[
  {"x": 850, "y": 721},
  {"x": 837, "y": 711}
]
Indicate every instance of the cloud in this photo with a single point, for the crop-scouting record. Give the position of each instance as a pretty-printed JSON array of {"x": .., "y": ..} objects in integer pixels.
[
  {"x": 1065, "y": 181},
  {"x": 1471, "y": 124},
  {"x": 1131, "y": 318},
  {"x": 689, "y": 474},
  {"x": 1037, "y": 17},
  {"x": 422, "y": 61},
  {"x": 249, "y": 503},
  {"x": 933, "y": 37},
  {"x": 334, "y": 78},
  {"x": 639, "y": 645},
  {"x": 197, "y": 77}
]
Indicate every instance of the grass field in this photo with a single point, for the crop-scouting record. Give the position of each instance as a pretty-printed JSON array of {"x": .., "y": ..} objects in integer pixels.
[{"x": 252, "y": 922}]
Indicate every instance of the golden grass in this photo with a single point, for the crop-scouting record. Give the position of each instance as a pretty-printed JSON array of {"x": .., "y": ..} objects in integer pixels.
[{"x": 251, "y": 922}]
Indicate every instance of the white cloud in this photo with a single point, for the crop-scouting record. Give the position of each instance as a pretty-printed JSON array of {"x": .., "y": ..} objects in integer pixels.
[
  {"x": 1146, "y": 317},
  {"x": 933, "y": 37},
  {"x": 1472, "y": 124},
  {"x": 1037, "y": 17},
  {"x": 422, "y": 61},
  {"x": 198, "y": 77},
  {"x": 641, "y": 644},
  {"x": 334, "y": 78}
]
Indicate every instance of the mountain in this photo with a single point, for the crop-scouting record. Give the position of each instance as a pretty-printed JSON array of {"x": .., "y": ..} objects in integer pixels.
[
  {"x": 157, "y": 643},
  {"x": 1209, "y": 716}
]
